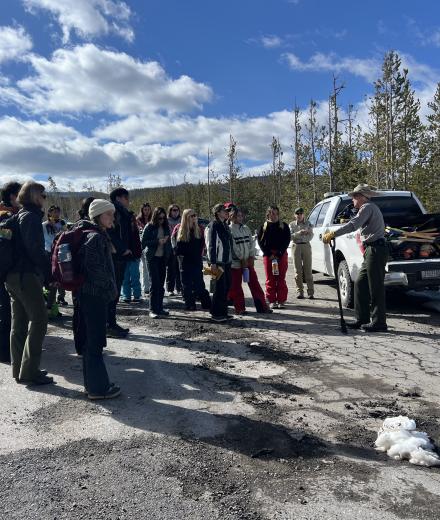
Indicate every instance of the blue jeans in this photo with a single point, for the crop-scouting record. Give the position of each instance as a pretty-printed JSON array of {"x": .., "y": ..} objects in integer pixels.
[{"x": 132, "y": 280}]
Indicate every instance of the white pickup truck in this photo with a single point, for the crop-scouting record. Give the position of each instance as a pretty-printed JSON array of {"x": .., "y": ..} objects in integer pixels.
[{"x": 399, "y": 208}]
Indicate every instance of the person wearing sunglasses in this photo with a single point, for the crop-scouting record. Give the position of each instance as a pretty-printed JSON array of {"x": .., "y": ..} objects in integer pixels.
[
  {"x": 189, "y": 246},
  {"x": 157, "y": 246}
]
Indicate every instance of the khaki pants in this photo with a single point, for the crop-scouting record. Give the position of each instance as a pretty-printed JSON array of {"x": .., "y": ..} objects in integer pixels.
[
  {"x": 302, "y": 261},
  {"x": 29, "y": 324}
]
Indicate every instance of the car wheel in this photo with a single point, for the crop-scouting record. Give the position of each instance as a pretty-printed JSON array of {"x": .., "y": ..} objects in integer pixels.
[{"x": 346, "y": 285}]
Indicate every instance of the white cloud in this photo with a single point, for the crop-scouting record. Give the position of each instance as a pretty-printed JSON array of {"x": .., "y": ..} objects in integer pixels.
[
  {"x": 367, "y": 68},
  {"x": 87, "y": 18},
  {"x": 89, "y": 79},
  {"x": 271, "y": 41},
  {"x": 14, "y": 43}
]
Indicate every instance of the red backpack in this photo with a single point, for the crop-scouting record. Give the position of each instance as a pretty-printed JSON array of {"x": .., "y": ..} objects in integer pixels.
[{"x": 69, "y": 275}]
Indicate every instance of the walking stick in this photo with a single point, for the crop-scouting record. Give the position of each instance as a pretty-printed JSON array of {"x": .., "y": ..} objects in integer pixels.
[{"x": 338, "y": 290}]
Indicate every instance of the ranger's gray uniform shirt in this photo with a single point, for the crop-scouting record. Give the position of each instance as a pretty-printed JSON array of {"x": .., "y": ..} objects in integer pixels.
[{"x": 369, "y": 219}]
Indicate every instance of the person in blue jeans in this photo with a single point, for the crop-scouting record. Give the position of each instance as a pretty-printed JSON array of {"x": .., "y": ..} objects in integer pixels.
[{"x": 132, "y": 282}]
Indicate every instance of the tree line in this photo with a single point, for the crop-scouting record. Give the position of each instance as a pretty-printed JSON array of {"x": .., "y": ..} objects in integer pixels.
[{"x": 396, "y": 150}]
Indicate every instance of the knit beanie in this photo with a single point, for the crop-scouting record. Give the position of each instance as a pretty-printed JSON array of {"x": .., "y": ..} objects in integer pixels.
[{"x": 98, "y": 207}]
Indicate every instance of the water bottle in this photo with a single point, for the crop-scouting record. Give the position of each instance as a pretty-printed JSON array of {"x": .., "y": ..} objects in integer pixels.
[
  {"x": 275, "y": 268},
  {"x": 65, "y": 262},
  {"x": 245, "y": 274}
]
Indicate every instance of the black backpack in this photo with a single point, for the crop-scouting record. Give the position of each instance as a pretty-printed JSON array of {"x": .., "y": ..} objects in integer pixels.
[{"x": 8, "y": 226}]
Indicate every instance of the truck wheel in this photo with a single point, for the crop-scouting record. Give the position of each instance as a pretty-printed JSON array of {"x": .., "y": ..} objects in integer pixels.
[{"x": 345, "y": 285}]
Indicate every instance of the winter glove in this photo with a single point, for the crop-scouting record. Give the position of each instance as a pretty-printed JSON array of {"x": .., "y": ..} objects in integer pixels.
[{"x": 328, "y": 237}]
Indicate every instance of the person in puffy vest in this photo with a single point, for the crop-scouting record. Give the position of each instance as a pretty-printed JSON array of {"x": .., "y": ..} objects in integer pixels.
[
  {"x": 243, "y": 257},
  {"x": 25, "y": 281},
  {"x": 189, "y": 243},
  {"x": 8, "y": 207},
  {"x": 219, "y": 250},
  {"x": 273, "y": 239},
  {"x": 99, "y": 288}
]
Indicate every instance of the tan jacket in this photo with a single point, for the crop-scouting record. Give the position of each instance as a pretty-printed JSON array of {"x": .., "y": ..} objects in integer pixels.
[{"x": 295, "y": 232}]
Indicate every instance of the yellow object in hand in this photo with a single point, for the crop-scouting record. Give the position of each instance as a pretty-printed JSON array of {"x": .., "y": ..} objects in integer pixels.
[{"x": 328, "y": 237}]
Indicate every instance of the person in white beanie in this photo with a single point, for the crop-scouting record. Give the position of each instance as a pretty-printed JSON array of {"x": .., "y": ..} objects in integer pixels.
[{"x": 99, "y": 288}]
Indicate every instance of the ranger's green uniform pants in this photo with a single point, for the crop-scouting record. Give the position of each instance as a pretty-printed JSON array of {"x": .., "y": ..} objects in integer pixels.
[
  {"x": 302, "y": 260},
  {"x": 369, "y": 288},
  {"x": 29, "y": 324}
]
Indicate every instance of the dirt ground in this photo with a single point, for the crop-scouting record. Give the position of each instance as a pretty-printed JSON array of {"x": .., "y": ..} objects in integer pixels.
[{"x": 268, "y": 417}]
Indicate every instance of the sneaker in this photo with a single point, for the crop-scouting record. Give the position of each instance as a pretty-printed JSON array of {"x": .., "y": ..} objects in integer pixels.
[
  {"x": 164, "y": 312},
  {"x": 153, "y": 315},
  {"x": 62, "y": 301},
  {"x": 136, "y": 300},
  {"x": 355, "y": 325},
  {"x": 40, "y": 379},
  {"x": 300, "y": 297},
  {"x": 281, "y": 305},
  {"x": 274, "y": 305},
  {"x": 111, "y": 393},
  {"x": 219, "y": 319},
  {"x": 126, "y": 300},
  {"x": 170, "y": 293},
  {"x": 114, "y": 332}
]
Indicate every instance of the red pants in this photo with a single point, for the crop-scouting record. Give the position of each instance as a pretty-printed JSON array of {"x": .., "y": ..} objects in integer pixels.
[
  {"x": 236, "y": 290},
  {"x": 276, "y": 287}
]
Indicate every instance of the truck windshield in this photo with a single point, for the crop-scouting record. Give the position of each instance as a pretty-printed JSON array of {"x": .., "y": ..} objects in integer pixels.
[{"x": 393, "y": 206}]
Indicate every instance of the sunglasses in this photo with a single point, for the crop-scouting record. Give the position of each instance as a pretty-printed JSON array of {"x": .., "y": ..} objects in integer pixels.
[
  {"x": 193, "y": 215},
  {"x": 175, "y": 209}
]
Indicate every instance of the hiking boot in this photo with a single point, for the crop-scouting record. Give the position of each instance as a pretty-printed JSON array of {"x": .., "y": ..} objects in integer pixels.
[
  {"x": 111, "y": 393},
  {"x": 311, "y": 297},
  {"x": 115, "y": 332},
  {"x": 38, "y": 380},
  {"x": 375, "y": 327},
  {"x": 355, "y": 325}
]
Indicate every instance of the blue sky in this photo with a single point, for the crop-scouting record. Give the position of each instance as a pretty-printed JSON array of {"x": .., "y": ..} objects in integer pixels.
[{"x": 143, "y": 88}]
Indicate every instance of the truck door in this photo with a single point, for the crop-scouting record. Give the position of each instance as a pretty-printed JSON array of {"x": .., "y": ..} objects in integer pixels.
[{"x": 318, "y": 248}]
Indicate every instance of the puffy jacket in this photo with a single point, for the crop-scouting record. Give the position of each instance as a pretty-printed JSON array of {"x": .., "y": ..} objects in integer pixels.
[
  {"x": 218, "y": 243},
  {"x": 191, "y": 250},
  {"x": 29, "y": 253},
  {"x": 97, "y": 263},
  {"x": 150, "y": 241},
  {"x": 243, "y": 244},
  {"x": 274, "y": 238}
]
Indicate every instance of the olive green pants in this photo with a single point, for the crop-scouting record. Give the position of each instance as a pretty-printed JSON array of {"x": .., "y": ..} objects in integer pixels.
[
  {"x": 302, "y": 261},
  {"x": 369, "y": 289},
  {"x": 29, "y": 324}
]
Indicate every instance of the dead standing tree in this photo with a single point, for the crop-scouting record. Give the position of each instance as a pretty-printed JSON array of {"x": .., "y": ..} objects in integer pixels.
[
  {"x": 296, "y": 150},
  {"x": 232, "y": 168},
  {"x": 277, "y": 170}
]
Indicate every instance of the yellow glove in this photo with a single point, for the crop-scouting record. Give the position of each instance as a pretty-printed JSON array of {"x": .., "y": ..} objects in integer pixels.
[{"x": 328, "y": 237}]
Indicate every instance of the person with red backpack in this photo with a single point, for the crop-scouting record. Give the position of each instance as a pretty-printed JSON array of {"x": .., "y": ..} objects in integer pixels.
[
  {"x": 24, "y": 282},
  {"x": 8, "y": 207},
  {"x": 96, "y": 292}
]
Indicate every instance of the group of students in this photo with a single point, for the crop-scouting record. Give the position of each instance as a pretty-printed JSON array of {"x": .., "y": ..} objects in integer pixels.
[{"x": 114, "y": 241}]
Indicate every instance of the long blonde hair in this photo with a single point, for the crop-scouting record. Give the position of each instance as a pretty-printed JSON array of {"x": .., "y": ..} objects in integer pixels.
[{"x": 184, "y": 233}]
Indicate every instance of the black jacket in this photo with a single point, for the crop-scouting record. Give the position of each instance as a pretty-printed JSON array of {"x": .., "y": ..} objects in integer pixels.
[
  {"x": 274, "y": 238},
  {"x": 121, "y": 233},
  {"x": 29, "y": 253},
  {"x": 97, "y": 264},
  {"x": 150, "y": 241},
  {"x": 218, "y": 243}
]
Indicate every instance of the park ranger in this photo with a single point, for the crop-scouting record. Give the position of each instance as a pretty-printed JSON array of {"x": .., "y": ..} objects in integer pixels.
[
  {"x": 369, "y": 286},
  {"x": 301, "y": 232}
]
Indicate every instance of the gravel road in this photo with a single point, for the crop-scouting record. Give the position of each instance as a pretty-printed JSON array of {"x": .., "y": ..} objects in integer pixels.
[{"x": 270, "y": 417}]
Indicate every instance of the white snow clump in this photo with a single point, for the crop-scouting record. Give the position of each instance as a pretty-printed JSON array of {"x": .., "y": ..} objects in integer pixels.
[{"x": 400, "y": 439}]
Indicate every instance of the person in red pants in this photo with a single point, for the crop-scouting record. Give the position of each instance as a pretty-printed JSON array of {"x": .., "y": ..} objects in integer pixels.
[
  {"x": 273, "y": 239},
  {"x": 243, "y": 256}
]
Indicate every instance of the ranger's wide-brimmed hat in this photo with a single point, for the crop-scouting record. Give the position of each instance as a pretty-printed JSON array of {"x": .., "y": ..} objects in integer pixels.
[{"x": 365, "y": 190}]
